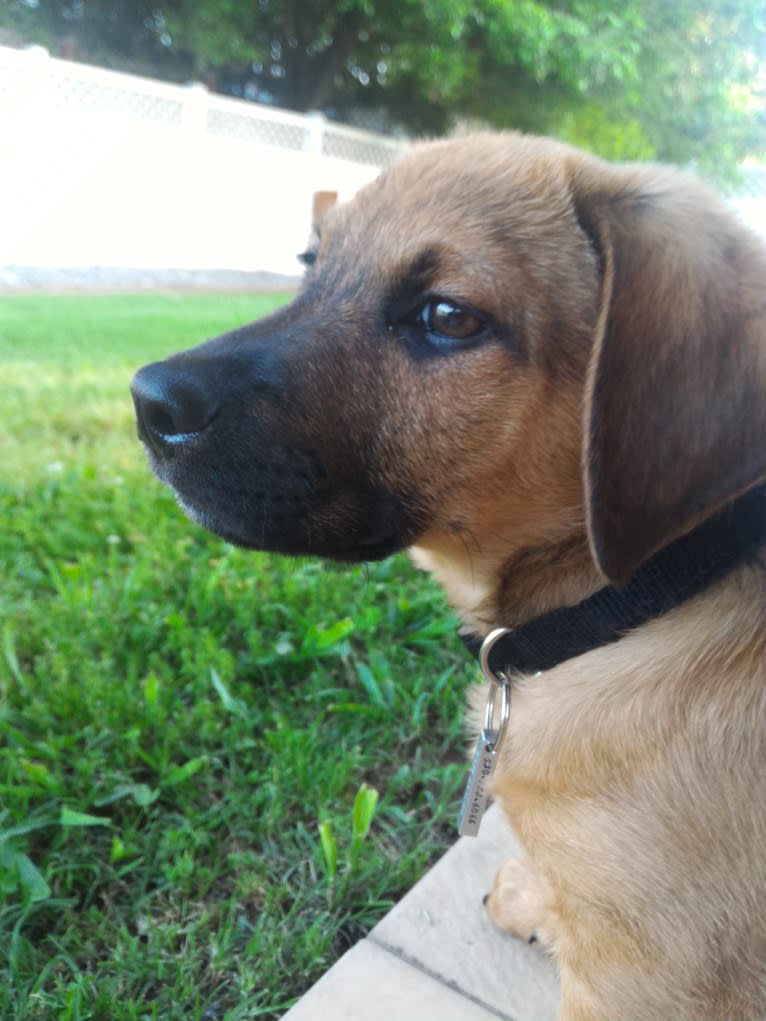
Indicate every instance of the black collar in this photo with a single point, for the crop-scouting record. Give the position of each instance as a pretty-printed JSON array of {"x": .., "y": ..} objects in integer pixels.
[{"x": 674, "y": 574}]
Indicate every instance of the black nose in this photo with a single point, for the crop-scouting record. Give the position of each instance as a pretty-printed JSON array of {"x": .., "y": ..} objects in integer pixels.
[{"x": 171, "y": 405}]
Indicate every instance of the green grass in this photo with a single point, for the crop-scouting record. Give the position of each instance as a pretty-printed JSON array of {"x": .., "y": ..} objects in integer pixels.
[{"x": 177, "y": 717}]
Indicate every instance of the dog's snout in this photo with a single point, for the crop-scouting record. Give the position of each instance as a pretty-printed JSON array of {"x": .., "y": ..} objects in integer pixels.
[{"x": 171, "y": 405}]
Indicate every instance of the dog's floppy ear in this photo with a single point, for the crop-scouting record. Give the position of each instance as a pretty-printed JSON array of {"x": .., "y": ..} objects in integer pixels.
[{"x": 675, "y": 402}]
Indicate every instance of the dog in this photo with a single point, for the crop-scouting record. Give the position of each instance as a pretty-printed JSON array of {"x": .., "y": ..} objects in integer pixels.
[{"x": 545, "y": 375}]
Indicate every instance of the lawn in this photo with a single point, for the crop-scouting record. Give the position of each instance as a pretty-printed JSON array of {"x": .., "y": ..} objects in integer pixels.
[{"x": 189, "y": 733}]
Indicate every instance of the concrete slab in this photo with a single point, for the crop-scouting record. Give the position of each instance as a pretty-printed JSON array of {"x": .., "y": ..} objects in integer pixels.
[
  {"x": 370, "y": 984},
  {"x": 441, "y": 927}
]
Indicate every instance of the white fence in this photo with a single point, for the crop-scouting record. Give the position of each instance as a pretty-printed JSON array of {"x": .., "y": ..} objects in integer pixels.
[
  {"x": 106, "y": 170},
  {"x": 100, "y": 169}
]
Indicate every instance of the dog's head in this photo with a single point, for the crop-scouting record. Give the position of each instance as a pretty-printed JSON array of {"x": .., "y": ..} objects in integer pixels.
[{"x": 501, "y": 344}]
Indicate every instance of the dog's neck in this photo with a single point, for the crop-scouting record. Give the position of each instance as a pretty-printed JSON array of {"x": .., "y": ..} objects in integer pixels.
[
  {"x": 536, "y": 580},
  {"x": 488, "y": 590},
  {"x": 678, "y": 572}
]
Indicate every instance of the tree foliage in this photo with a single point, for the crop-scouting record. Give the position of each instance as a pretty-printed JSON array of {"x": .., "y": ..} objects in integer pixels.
[{"x": 681, "y": 81}]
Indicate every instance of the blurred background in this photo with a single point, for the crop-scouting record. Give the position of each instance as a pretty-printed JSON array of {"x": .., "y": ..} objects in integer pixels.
[{"x": 189, "y": 136}]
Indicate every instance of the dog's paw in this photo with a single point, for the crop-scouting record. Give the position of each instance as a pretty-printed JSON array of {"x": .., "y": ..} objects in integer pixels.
[{"x": 520, "y": 902}]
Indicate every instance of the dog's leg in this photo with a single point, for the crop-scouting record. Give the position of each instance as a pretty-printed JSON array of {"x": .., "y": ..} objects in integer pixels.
[{"x": 521, "y": 902}]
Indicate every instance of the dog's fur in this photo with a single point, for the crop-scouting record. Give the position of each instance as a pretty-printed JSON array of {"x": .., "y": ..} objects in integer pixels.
[{"x": 615, "y": 397}]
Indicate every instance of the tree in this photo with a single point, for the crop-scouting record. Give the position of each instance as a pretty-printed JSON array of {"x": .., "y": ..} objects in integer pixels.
[
  {"x": 113, "y": 32},
  {"x": 646, "y": 77}
]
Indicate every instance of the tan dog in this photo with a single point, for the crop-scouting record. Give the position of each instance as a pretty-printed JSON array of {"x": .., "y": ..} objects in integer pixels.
[{"x": 537, "y": 369}]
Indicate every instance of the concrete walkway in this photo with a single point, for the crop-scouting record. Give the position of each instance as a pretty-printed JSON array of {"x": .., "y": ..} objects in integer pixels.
[{"x": 436, "y": 956}]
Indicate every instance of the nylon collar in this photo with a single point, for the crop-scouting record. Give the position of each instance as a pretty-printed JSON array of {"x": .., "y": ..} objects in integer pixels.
[{"x": 676, "y": 573}]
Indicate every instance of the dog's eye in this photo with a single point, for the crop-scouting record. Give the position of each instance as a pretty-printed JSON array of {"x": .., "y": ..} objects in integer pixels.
[
  {"x": 447, "y": 324},
  {"x": 438, "y": 326},
  {"x": 450, "y": 320}
]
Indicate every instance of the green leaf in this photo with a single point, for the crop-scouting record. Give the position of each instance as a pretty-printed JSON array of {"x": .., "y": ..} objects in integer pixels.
[
  {"x": 141, "y": 794},
  {"x": 9, "y": 654},
  {"x": 26, "y": 827},
  {"x": 370, "y": 685},
  {"x": 365, "y": 803},
  {"x": 232, "y": 705},
  {"x": 31, "y": 879},
  {"x": 152, "y": 690},
  {"x": 177, "y": 774},
  {"x": 38, "y": 772},
  {"x": 320, "y": 640},
  {"x": 119, "y": 851},
  {"x": 69, "y": 818},
  {"x": 329, "y": 849}
]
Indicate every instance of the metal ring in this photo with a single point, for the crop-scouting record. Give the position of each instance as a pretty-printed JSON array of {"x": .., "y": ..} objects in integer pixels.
[
  {"x": 486, "y": 648},
  {"x": 499, "y": 684},
  {"x": 504, "y": 691}
]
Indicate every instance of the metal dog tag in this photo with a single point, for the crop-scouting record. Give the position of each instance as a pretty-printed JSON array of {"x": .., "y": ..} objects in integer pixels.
[{"x": 476, "y": 794}]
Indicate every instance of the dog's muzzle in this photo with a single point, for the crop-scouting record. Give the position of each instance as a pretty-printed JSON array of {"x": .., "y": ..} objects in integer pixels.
[
  {"x": 223, "y": 431},
  {"x": 230, "y": 472}
]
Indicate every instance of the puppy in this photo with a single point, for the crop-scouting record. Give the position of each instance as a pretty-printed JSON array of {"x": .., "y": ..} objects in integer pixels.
[{"x": 545, "y": 375}]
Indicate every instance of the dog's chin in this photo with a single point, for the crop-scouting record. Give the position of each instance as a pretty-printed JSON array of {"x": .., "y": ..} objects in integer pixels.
[
  {"x": 368, "y": 549},
  {"x": 295, "y": 538}
]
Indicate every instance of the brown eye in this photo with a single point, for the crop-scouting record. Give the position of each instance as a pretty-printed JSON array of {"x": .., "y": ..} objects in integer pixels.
[{"x": 447, "y": 322}]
